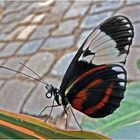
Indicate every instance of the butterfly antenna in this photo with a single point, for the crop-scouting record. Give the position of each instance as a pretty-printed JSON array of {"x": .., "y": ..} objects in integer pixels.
[
  {"x": 34, "y": 73},
  {"x": 75, "y": 118},
  {"x": 23, "y": 74}
]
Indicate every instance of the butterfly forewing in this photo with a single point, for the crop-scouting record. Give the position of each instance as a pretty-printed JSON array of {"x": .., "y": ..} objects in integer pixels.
[
  {"x": 109, "y": 43},
  {"x": 95, "y": 81}
]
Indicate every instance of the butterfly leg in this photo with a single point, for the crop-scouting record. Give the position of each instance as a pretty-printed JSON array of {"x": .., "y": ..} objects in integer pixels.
[
  {"x": 45, "y": 109},
  {"x": 50, "y": 111},
  {"x": 75, "y": 118},
  {"x": 67, "y": 115}
]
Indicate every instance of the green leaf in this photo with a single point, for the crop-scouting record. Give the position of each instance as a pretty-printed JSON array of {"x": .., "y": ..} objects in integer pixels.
[
  {"x": 19, "y": 126},
  {"x": 127, "y": 115},
  {"x": 131, "y": 132},
  {"x": 138, "y": 63}
]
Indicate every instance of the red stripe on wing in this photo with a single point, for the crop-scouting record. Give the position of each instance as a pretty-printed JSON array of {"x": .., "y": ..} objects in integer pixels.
[
  {"x": 92, "y": 84},
  {"x": 77, "y": 103},
  {"x": 81, "y": 97},
  {"x": 93, "y": 109},
  {"x": 89, "y": 72}
]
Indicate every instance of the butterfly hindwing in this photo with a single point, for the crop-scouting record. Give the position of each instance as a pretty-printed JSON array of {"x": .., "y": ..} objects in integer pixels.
[{"x": 99, "y": 91}]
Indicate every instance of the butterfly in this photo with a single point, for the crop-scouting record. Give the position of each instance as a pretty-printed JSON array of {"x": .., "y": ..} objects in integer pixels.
[{"x": 95, "y": 80}]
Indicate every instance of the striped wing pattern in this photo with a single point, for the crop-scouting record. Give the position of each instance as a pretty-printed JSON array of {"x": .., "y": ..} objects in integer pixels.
[
  {"x": 99, "y": 91},
  {"x": 97, "y": 78}
]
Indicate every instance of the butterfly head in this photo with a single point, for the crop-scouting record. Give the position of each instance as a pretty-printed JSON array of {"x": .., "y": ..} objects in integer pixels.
[{"x": 53, "y": 92}]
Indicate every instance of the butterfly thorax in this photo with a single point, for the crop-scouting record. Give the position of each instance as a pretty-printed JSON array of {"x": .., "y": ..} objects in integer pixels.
[
  {"x": 57, "y": 94},
  {"x": 62, "y": 99}
]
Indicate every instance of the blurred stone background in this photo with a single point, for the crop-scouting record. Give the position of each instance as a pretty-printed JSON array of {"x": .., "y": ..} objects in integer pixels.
[{"x": 45, "y": 35}]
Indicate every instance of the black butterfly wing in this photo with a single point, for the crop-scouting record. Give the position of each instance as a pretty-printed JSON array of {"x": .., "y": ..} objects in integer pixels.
[
  {"x": 107, "y": 46},
  {"x": 99, "y": 91}
]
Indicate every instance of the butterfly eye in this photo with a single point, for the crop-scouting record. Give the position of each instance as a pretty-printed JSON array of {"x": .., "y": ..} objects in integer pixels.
[{"x": 48, "y": 94}]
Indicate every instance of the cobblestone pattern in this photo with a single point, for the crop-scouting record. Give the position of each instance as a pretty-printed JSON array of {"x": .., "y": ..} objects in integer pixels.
[{"x": 45, "y": 36}]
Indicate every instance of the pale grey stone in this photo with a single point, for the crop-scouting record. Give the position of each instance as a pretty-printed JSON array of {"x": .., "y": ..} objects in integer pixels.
[
  {"x": 62, "y": 64},
  {"x": 13, "y": 94},
  {"x": 40, "y": 63},
  {"x": 13, "y": 63},
  {"x": 58, "y": 42}
]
